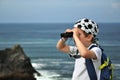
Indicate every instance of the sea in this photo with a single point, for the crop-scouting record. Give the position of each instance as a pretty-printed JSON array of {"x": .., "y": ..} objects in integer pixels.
[{"x": 39, "y": 40}]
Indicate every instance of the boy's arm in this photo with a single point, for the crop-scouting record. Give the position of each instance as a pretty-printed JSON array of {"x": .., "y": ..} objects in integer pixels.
[
  {"x": 62, "y": 46},
  {"x": 84, "y": 52}
]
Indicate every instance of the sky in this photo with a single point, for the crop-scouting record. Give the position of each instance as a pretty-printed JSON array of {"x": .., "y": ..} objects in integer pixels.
[{"x": 58, "y": 11}]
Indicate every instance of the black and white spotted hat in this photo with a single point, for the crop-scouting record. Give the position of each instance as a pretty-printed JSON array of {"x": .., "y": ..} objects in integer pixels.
[{"x": 88, "y": 26}]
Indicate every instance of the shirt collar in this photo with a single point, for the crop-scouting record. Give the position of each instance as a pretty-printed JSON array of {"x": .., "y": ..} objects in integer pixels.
[{"x": 91, "y": 45}]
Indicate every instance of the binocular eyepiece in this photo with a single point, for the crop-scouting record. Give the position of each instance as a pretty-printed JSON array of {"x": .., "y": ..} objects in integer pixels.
[{"x": 67, "y": 35}]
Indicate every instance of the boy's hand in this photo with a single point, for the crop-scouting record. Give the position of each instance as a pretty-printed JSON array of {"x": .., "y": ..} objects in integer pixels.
[
  {"x": 75, "y": 32},
  {"x": 68, "y": 30}
]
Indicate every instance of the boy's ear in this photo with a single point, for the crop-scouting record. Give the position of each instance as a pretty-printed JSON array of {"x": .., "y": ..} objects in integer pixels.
[{"x": 90, "y": 37}]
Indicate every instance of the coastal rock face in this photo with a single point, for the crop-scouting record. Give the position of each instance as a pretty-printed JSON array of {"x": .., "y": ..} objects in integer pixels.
[{"x": 15, "y": 65}]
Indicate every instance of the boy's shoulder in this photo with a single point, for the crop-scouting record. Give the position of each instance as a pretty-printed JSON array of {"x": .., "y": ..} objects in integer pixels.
[{"x": 94, "y": 47}]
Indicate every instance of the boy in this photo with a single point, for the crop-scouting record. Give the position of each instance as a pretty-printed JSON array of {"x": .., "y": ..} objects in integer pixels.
[{"x": 84, "y": 36}]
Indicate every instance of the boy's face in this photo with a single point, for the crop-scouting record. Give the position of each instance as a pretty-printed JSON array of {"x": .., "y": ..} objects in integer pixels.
[{"x": 82, "y": 37}]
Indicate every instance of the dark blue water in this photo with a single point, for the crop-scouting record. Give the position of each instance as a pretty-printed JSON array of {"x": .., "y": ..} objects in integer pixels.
[{"x": 39, "y": 43}]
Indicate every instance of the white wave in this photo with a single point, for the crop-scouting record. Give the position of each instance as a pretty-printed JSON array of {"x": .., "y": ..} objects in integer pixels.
[
  {"x": 46, "y": 75},
  {"x": 38, "y": 65},
  {"x": 64, "y": 62},
  {"x": 54, "y": 61},
  {"x": 50, "y": 75},
  {"x": 30, "y": 42},
  {"x": 116, "y": 66},
  {"x": 110, "y": 43}
]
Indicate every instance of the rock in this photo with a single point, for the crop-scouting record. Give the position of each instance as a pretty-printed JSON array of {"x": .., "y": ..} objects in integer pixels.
[{"x": 15, "y": 65}]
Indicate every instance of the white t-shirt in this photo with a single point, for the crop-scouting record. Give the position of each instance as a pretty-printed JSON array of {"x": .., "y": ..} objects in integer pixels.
[{"x": 80, "y": 70}]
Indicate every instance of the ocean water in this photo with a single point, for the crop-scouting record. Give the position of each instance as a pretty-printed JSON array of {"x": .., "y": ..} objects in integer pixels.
[{"x": 39, "y": 43}]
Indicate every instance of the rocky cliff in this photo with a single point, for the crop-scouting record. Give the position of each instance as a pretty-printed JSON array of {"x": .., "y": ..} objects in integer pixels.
[{"x": 15, "y": 65}]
